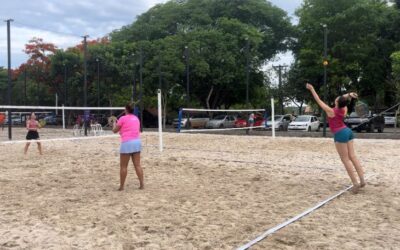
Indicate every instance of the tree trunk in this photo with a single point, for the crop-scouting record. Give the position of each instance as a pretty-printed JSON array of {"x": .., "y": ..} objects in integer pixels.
[{"x": 301, "y": 108}]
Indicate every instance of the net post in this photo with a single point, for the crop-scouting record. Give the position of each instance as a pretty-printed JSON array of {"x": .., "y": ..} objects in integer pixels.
[
  {"x": 273, "y": 117},
  {"x": 160, "y": 132},
  {"x": 179, "y": 120},
  {"x": 63, "y": 116}
]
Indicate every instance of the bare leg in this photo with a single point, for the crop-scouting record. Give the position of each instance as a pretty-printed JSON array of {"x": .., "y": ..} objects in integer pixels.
[
  {"x": 138, "y": 169},
  {"x": 356, "y": 162},
  {"x": 124, "y": 160},
  {"x": 26, "y": 147},
  {"x": 40, "y": 148},
  {"x": 344, "y": 156}
]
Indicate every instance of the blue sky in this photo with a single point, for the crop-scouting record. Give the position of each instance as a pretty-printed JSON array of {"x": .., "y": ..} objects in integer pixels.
[{"x": 63, "y": 21}]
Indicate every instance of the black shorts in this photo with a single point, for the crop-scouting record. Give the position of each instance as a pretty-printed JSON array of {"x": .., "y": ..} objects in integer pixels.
[{"x": 32, "y": 135}]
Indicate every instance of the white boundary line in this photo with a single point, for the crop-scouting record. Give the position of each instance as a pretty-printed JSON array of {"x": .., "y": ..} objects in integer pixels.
[
  {"x": 218, "y": 129},
  {"x": 293, "y": 219},
  {"x": 224, "y": 110},
  {"x": 59, "y": 108}
]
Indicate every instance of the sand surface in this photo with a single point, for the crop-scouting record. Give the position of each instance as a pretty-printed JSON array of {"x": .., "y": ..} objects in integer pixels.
[{"x": 203, "y": 192}]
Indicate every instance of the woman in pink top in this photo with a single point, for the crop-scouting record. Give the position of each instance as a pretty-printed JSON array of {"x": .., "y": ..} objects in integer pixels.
[
  {"x": 128, "y": 127},
  {"x": 343, "y": 136},
  {"x": 32, "y": 126}
]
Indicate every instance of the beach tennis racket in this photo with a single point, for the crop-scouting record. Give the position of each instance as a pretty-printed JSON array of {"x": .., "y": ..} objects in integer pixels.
[
  {"x": 112, "y": 120},
  {"x": 42, "y": 123}
]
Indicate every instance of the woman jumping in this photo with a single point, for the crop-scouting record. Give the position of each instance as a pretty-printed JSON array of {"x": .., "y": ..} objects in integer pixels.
[
  {"x": 32, "y": 126},
  {"x": 128, "y": 127},
  {"x": 343, "y": 136}
]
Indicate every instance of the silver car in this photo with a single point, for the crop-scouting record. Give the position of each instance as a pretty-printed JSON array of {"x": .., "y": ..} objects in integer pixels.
[
  {"x": 281, "y": 122},
  {"x": 195, "y": 121},
  {"x": 222, "y": 121}
]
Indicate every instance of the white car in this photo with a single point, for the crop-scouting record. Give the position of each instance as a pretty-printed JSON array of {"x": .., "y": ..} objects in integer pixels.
[
  {"x": 390, "y": 119},
  {"x": 222, "y": 121},
  {"x": 305, "y": 123}
]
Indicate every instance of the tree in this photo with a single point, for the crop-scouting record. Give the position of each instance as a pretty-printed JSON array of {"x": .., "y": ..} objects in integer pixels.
[
  {"x": 215, "y": 33},
  {"x": 361, "y": 40},
  {"x": 396, "y": 72},
  {"x": 38, "y": 67}
]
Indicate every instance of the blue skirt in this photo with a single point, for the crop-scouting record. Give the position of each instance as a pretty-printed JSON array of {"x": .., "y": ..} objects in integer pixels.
[{"x": 130, "y": 147}]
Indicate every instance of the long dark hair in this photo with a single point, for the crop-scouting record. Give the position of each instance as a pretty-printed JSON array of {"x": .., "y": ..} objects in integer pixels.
[{"x": 129, "y": 108}]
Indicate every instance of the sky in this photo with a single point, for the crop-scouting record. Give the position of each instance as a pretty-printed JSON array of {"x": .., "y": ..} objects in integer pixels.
[{"x": 63, "y": 22}]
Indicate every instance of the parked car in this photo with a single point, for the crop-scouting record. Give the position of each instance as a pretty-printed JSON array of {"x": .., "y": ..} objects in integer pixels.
[
  {"x": 305, "y": 123},
  {"x": 369, "y": 123},
  {"x": 390, "y": 119},
  {"x": 243, "y": 122},
  {"x": 194, "y": 121},
  {"x": 281, "y": 122},
  {"x": 222, "y": 121},
  {"x": 15, "y": 120}
]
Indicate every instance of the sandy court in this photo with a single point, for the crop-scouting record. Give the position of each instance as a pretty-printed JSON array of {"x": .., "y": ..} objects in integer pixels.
[{"x": 203, "y": 192}]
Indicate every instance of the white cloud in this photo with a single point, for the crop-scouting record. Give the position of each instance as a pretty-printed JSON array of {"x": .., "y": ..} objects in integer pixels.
[
  {"x": 21, "y": 36},
  {"x": 50, "y": 7}
]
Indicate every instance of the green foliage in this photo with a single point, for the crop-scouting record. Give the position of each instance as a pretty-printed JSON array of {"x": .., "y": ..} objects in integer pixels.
[
  {"x": 362, "y": 34},
  {"x": 396, "y": 72},
  {"x": 215, "y": 33}
]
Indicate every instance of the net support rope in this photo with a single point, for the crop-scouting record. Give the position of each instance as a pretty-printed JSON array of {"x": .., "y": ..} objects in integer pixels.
[{"x": 296, "y": 218}]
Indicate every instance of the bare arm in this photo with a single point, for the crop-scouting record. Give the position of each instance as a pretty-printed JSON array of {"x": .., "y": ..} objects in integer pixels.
[
  {"x": 324, "y": 106},
  {"x": 116, "y": 128}
]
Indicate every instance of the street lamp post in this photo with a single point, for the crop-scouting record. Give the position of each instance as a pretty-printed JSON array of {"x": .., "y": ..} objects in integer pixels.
[
  {"x": 187, "y": 75},
  {"x": 141, "y": 87},
  {"x": 9, "y": 87},
  {"x": 247, "y": 70},
  {"x": 98, "y": 82},
  {"x": 325, "y": 63},
  {"x": 133, "y": 94},
  {"x": 25, "y": 94},
  {"x": 87, "y": 114},
  {"x": 65, "y": 85}
]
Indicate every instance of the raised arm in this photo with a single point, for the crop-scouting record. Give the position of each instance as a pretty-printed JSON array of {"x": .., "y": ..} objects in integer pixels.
[
  {"x": 352, "y": 96},
  {"x": 326, "y": 108},
  {"x": 116, "y": 128}
]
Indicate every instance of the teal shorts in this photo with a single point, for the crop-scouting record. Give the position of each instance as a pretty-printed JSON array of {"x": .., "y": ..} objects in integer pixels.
[{"x": 344, "y": 135}]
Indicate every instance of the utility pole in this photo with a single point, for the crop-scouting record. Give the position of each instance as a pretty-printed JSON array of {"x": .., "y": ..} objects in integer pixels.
[
  {"x": 9, "y": 88},
  {"x": 247, "y": 70},
  {"x": 279, "y": 68},
  {"x": 325, "y": 63},
  {"x": 87, "y": 112}
]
